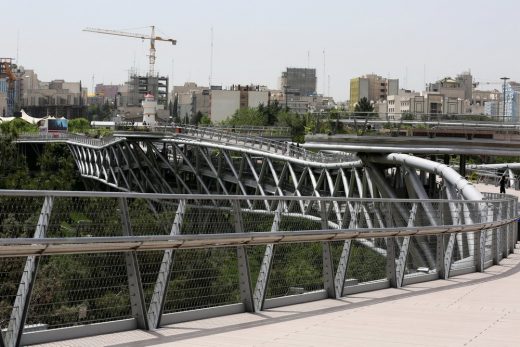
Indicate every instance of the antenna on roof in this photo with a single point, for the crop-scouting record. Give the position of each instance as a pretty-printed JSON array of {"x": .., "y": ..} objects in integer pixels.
[{"x": 211, "y": 60}]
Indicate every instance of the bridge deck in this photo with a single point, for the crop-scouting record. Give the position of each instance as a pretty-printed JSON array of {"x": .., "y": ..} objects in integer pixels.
[{"x": 478, "y": 309}]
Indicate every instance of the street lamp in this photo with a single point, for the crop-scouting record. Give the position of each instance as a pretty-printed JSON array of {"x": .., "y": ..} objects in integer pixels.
[{"x": 504, "y": 93}]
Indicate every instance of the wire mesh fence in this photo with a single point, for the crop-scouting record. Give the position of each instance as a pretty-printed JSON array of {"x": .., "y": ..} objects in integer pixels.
[
  {"x": 79, "y": 289},
  {"x": 465, "y": 251},
  {"x": 202, "y": 278},
  {"x": 422, "y": 255},
  {"x": 85, "y": 288},
  {"x": 367, "y": 262},
  {"x": 296, "y": 269},
  {"x": 10, "y": 272}
]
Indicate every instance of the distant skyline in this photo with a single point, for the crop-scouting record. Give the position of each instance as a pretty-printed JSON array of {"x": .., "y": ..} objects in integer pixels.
[{"x": 254, "y": 42}]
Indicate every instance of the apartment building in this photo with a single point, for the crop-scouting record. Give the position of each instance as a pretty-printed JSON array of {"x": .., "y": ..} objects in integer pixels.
[
  {"x": 373, "y": 87},
  {"x": 224, "y": 103}
]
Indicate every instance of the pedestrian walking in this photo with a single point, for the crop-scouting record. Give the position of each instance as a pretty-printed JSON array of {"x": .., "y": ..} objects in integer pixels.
[{"x": 502, "y": 183}]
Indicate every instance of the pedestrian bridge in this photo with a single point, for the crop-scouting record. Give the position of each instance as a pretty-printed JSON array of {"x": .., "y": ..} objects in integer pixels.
[
  {"x": 87, "y": 263},
  {"x": 208, "y": 223}
]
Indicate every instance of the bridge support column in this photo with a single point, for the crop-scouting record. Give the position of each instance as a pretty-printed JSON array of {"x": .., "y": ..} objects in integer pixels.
[
  {"x": 163, "y": 278},
  {"x": 135, "y": 285},
  {"x": 246, "y": 294},
  {"x": 14, "y": 331}
]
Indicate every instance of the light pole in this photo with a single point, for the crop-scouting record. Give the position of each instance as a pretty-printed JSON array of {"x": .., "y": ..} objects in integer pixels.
[{"x": 504, "y": 93}]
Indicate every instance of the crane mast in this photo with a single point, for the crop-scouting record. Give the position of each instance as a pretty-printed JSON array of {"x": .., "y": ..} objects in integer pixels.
[{"x": 152, "y": 38}]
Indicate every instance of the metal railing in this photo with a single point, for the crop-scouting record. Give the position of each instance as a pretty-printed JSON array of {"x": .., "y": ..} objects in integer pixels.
[
  {"x": 108, "y": 258},
  {"x": 283, "y": 148},
  {"x": 395, "y": 124},
  {"x": 68, "y": 137},
  {"x": 288, "y": 149}
]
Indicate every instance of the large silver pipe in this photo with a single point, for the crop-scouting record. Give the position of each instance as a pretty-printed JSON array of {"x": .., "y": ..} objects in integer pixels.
[{"x": 467, "y": 190}]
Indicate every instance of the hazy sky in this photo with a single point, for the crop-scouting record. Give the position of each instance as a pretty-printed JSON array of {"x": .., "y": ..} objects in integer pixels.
[{"x": 415, "y": 41}]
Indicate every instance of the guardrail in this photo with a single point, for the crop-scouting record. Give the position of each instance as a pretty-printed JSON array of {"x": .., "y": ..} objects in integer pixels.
[
  {"x": 283, "y": 148},
  {"x": 211, "y": 134},
  {"x": 128, "y": 260},
  {"x": 67, "y": 137},
  {"x": 395, "y": 124}
]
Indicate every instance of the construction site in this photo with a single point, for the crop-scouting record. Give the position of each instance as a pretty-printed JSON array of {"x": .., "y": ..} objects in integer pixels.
[{"x": 138, "y": 85}]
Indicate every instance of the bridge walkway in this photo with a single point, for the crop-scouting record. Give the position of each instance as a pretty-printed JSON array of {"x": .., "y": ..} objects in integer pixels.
[{"x": 476, "y": 309}]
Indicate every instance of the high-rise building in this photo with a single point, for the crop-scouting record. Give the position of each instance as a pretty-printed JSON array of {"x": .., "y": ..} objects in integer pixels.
[
  {"x": 299, "y": 81},
  {"x": 373, "y": 87},
  {"x": 512, "y": 99}
]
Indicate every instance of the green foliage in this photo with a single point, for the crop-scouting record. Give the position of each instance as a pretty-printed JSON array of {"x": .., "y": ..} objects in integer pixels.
[
  {"x": 363, "y": 106},
  {"x": 407, "y": 116},
  {"x": 205, "y": 120},
  {"x": 17, "y": 126},
  {"x": 79, "y": 125},
  {"x": 14, "y": 173},
  {"x": 57, "y": 170},
  {"x": 271, "y": 115},
  {"x": 246, "y": 117}
]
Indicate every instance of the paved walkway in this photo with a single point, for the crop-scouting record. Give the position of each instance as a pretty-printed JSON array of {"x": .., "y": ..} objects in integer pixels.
[
  {"x": 489, "y": 188},
  {"x": 478, "y": 309}
]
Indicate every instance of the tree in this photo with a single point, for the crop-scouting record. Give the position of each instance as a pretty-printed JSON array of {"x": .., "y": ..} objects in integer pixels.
[
  {"x": 205, "y": 120},
  {"x": 363, "y": 107},
  {"x": 174, "y": 109},
  {"x": 79, "y": 125},
  {"x": 247, "y": 116},
  {"x": 196, "y": 118}
]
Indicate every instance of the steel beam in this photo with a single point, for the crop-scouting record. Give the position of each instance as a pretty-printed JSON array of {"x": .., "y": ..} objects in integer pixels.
[
  {"x": 23, "y": 295},
  {"x": 135, "y": 285},
  {"x": 163, "y": 278},
  {"x": 328, "y": 265},
  {"x": 244, "y": 276},
  {"x": 341, "y": 271},
  {"x": 267, "y": 261},
  {"x": 495, "y": 239}
]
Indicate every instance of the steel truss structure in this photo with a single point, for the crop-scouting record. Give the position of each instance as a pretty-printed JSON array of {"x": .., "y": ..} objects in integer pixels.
[{"x": 365, "y": 223}]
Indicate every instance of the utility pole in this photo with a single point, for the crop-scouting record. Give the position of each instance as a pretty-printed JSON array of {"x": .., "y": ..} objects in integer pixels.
[{"x": 504, "y": 92}]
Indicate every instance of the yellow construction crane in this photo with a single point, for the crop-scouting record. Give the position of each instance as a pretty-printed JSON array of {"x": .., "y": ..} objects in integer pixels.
[{"x": 152, "y": 39}]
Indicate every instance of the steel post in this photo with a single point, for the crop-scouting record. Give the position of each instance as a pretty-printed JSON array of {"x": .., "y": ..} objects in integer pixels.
[
  {"x": 163, "y": 278},
  {"x": 246, "y": 294},
  {"x": 23, "y": 295},
  {"x": 135, "y": 285},
  {"x": 267, "y": 261}
]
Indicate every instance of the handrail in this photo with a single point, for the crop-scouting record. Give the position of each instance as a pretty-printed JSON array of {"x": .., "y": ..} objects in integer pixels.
[{"x": 273, "y": 146}]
